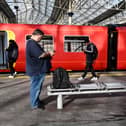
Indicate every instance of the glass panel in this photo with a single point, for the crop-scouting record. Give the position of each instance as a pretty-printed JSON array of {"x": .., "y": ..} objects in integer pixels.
[
  {"x": 46, "y": 42},
  {"x": 3, "y": 45},
  {"x": 28, "y": 37},
  {"x": 74, "y": 43}
]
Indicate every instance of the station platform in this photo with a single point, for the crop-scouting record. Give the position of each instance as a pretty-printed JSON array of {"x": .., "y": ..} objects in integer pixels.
[{"x": 106, "y": 109}]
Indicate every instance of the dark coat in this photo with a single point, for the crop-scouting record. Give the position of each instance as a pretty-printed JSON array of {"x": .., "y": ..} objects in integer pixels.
[
  {"x": 89, "y": 51},
  {"x": 12, "y": 52}
]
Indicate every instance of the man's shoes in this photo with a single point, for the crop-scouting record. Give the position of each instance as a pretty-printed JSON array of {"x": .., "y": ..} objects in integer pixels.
[
  {"x": 11, "y": 76},
  {"x": 15, "y": 73},
  {"x": 80, "y": 78},
  {"x": 35, "y": 107},
  {"x": 94, "y": 79},
  {"x": 41, "y": 105},
  {"x": 42, "y": 102}
]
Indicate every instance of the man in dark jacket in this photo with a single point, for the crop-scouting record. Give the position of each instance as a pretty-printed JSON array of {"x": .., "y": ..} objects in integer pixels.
[
  {"x": 12, "y": 55},
  {"x": 36, "y": 66},
  {"x": 89, "y": 51}
]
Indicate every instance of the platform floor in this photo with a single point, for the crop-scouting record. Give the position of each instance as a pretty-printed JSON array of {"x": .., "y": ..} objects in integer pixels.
[{"x": 80, "y": 110}]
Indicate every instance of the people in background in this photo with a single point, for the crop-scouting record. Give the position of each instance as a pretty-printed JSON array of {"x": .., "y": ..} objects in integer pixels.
[
  {"x": 12, "y": 55},
  {"x": 91, "y": 54},
  {"x": 37, "y": 64}
]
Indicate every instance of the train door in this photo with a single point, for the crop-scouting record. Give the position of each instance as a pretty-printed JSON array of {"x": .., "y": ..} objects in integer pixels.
[
  {"x": 112, "y": 48},
  {"x": 3, "y": 45}
]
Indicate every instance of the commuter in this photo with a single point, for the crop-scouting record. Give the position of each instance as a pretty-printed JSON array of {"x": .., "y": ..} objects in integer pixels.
[
  {"x": 91, "y": 54},
  {"x": 37, "y": 64},
  {"x": 12, "y": 55}
]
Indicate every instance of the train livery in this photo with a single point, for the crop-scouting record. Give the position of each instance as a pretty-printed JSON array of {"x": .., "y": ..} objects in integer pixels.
[{"x": 64, "y": 39}]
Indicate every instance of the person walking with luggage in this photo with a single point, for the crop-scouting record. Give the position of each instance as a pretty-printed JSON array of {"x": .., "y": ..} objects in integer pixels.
[
  {"x": 37, "y": 64},
  {"x": 12, "y": 55},
  {"x": 91, "y": 54}
]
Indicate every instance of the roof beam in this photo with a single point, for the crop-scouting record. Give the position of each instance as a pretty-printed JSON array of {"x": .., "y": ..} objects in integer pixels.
[
  {"x": 7, "y": 11},
  {"x": 109, "y": 13},
  {"x": 59, "y": 6}
]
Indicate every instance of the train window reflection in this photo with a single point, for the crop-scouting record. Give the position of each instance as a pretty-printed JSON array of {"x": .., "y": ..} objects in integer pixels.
[
  {"x": 46, "y": 42},
  {"x": 74, "y": 43}
]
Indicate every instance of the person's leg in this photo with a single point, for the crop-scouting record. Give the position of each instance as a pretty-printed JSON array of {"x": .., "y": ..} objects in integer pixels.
[
  {"x": 12, "y": 70},
  {"x": 86, "y": 70},
  {"x": 92, "y": 70},
  {"x": 35, "y": 89},
  {"x": 94, "y": 76}
]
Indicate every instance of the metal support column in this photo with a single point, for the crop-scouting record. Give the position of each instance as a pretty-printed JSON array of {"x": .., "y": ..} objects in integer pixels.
[{"x": 70, "y": 13}]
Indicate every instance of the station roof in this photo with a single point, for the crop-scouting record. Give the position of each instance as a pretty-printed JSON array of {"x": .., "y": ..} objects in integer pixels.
[
  {"x": 109, "y": 13},
  {"x": 32, "y": 11},
  {"x": 85, "y": 12},
  {"x": 7, "y": 11}
]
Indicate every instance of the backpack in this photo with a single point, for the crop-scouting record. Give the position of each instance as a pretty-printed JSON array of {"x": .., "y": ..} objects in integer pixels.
[
  {"x": 61, "y": 79},
  {"x": 95, "y": 52}
]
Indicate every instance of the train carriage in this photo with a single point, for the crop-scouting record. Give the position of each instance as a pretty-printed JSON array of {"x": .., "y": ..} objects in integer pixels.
[{"x": 64, "y": 39}]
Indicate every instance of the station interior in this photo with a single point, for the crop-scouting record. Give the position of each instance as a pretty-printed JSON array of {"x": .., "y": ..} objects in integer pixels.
[{"x": 87, "y": 102}]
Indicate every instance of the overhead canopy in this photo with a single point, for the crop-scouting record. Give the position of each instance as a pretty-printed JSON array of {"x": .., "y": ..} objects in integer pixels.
[
  {"x": 32, "y": 11},
  {"x": 94, "y": 12},
  {"x": 109, "y": 13},
  {"x": 7, "y": 12},
  {"x": 85, "y": 12}
]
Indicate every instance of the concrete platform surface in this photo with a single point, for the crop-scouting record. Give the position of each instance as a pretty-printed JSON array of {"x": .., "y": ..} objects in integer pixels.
[{"x": 79, "y": 110}]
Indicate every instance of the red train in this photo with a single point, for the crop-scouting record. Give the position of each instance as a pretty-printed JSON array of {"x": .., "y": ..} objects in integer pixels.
[{"x": 64, "y": 39}]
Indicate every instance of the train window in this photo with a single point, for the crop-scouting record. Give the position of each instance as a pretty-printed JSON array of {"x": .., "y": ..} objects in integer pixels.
[
  {"x": 46, "y": 42},
  {"x": 28, "y": 37},
  {"x": 74, "y": 43}
]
